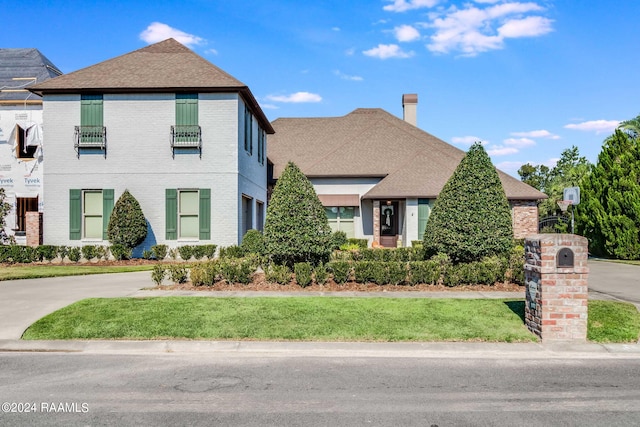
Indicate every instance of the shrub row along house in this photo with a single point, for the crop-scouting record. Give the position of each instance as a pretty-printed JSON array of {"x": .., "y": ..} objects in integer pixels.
[{"x": 189, "y": 142}]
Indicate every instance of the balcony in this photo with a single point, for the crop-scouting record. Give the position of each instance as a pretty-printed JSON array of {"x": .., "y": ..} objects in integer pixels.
[
  {"x": 90, "y": 137},
  {"x": 186, "y": 136}
]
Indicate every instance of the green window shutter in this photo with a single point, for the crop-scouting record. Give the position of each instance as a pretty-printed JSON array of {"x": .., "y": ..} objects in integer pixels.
[
  {"x": 75, "y": 214},
  {"x": 91, "y": 110},
  {"x": 171, "y": 214},
  {"x": 423, "y": 215},
  {"x": 205, "y": 214},
  {"x": 186, "y": 109},
  {"x": 107, "y": 207}
]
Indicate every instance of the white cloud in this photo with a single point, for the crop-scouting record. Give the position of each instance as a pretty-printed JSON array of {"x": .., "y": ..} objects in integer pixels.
[
  {"x": 519, "y": 142},
  {"x": 467, "y": 140},
  {"x": 269, "y": 107},
  {"x": 298, "y": 97},
  {"x": 404, "y": 5},
  {"x": 406, "y": 33},
  {"x": 212, "y": 51},
  {"x": 530, "y": 26},
  {"x": 347, "y": 76},
  {"x": 510, "y": 167},
  {"x": 157, "y": 32},
  {"x": 597, "y": 126},
  {"x": 536, "y": 134},
  {"x": 472, "y": 30},
  {"x": 335, "y": 29},
  {"x": 386, "y": 51},
  {"x": 499, "y": 150},
  {"x": 350, "y": 51}
]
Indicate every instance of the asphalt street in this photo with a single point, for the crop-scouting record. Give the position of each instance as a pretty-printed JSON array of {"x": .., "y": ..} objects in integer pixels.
[{"x": 212, "y": 389}]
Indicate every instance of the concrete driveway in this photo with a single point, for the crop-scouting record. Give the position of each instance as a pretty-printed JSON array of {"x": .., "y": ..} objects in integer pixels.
[
  {"x": 22, "y": 302},
  {"x": 614, "y": 281}
]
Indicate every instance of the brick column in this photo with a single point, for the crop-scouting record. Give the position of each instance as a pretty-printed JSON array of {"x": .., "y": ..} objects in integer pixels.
[
  {"x": 524, "y": 215},
  {"x": 376, "y": 221},
  {"x": 556, "y": 274},
  {"x": 34, "y": 228}
]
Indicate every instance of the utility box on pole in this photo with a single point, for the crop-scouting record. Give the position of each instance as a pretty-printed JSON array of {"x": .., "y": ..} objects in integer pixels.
[{"x": 556, "y": 274}]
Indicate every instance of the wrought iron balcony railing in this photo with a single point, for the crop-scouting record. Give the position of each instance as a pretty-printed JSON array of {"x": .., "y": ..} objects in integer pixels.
[
  {"x": 91, "y": 137},
  {"x": 186, "y": 136}
]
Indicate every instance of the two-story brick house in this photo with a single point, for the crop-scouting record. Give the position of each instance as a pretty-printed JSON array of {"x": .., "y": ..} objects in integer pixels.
[{"x": 183, "y": 136}]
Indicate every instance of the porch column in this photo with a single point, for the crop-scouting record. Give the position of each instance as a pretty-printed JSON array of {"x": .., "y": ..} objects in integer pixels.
[{"x": 376, "y": 221}]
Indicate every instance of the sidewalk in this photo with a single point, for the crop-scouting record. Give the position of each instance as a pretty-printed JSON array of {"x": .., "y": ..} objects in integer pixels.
[{"x": 264, "y": 349}]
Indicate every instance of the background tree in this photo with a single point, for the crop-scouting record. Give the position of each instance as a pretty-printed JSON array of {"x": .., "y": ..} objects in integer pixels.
[
  {"x": 471, "y": 218},
  {"x": 632, "y": 127},
  {"x": 609, "y": 210},
  {"x": 536, "y": 176},
  {"x": 5, "y": 208},
  {"x": 569, "y": 171},
  {"x": 127, "y": 224},
  {"x": 296, "y": 227}
]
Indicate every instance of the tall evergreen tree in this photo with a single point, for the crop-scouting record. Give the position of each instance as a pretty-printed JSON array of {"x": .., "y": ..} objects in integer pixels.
[
  {"x": 127, "y": 225},
  {"x": 609, "y": 210},
  {"x": 296, "y": 227},
  {"x": 471, "y": 218}
]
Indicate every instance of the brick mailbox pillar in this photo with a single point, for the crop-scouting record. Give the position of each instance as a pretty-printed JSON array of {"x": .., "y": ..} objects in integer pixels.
[{"x": 556, "y": 274}]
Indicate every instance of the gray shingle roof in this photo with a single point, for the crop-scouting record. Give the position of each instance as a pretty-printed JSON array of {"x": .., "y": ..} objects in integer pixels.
[
  {"x": 372, "y": 142},
  {"x": 23, "y": 63},
  {"x": 166, "y": 66}
]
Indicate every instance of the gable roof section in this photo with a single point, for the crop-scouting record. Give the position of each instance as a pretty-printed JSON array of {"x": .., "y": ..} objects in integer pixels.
[
  {"x": 373, "y": 143},
  {"x": 167, "y": 66},
  {"x": 23, "y": 64}
]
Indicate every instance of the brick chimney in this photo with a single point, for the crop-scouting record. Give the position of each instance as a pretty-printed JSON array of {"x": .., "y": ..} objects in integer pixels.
[{"x": 410, "y": 108}]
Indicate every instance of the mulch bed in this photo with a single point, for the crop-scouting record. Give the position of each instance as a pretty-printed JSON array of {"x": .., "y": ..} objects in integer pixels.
[{"x": 260, "y": 284}]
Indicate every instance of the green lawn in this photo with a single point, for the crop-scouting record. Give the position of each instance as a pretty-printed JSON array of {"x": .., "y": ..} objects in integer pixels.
[
  {"x": 293, "y": 318},
  {"x": 38, "y": 271},
  {"x": 316, "y": 319},
  {"x": 611, "y": 321}
]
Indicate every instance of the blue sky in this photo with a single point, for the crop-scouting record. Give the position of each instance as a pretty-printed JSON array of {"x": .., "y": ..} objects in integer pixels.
[{"x": 528, "y": 78}]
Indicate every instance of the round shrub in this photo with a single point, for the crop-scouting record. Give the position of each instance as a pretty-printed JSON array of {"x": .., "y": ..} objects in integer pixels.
[{"x": 253, "y": 243}]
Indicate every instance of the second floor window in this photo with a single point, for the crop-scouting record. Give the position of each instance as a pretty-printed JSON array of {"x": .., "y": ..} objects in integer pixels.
[
  {"x": 186, "y": 116},
  {"x": 248, "y": 131},
  {"x": 91, "y": 120}
]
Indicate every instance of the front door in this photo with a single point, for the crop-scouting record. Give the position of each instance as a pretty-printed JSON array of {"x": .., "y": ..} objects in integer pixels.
[{"x": 389, "y": 224}]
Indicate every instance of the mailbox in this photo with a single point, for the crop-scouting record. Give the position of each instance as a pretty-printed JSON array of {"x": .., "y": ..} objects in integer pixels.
[{"x": 564, "y": 258}]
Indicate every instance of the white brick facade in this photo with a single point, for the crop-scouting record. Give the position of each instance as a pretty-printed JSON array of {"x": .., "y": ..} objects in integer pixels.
[{"x": 139, "y": 158}]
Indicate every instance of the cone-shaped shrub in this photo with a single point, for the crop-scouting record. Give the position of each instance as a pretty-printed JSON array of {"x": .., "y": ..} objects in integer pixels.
[
  {"x": 296, "y": 228},
  {"x": 471, "y": 218},
  {"x": 127, "y": 225}
]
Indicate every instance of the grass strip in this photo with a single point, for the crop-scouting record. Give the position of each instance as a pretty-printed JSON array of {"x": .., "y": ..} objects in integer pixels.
[
  {"x": 13, "y": 272},
  {"x": 289, "y": 319},
  {"x": 612, "y": 321}
]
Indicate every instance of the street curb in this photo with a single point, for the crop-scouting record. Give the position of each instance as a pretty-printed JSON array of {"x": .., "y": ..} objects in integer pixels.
[{"x": 270, "y": 349}]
